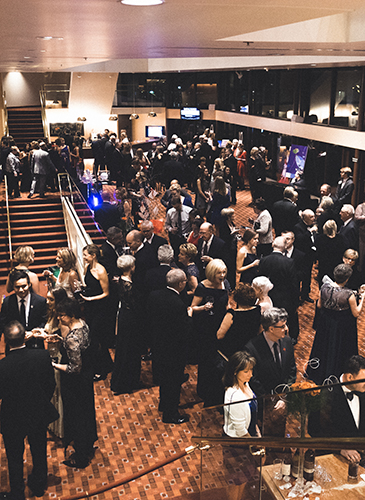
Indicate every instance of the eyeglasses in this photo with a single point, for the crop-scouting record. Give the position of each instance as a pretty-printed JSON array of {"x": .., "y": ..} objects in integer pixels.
[{"x": 282, "y": 327}]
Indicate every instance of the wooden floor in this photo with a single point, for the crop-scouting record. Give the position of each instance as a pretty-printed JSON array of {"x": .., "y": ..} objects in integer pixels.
[{"x": 132, "y": 437}]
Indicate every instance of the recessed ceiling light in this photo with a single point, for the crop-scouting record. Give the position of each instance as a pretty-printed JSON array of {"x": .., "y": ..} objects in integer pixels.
[
  {"x": 142, "y": 3},
  {"x": 49, "y": 38},
  {"x": 26, "y": 57}
]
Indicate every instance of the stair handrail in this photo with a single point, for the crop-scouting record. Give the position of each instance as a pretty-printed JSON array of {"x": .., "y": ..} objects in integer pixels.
[
  {"x": 65, "y": 175},
  {"x": 42, "y": 98},
  {"x": 8, "y": 219},
  {"x": 5, "y": 109}
]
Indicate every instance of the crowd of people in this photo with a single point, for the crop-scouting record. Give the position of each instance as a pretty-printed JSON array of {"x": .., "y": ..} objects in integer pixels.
[{"x": 209, "y": 293}]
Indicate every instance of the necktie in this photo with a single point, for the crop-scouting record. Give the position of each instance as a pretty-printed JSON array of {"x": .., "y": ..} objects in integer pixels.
[
  {"x": 276, "y": 353},
  {"x": 22, "y": 313},
  {"x": 205, "y": 248},
  {"x": 179, "y": 225},
  {"x": 350, "y": 395}
]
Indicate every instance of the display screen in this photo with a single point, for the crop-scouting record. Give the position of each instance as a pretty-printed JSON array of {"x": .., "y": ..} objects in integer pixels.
[
  {"x": 155, "y": 130},
  {"x": 190, "y": 113}
]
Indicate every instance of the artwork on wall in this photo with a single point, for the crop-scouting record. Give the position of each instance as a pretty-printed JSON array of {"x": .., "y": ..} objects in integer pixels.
[{"x": 60, "y": 129}]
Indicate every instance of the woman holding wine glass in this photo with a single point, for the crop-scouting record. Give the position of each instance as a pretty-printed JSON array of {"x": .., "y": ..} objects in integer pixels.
[{"x": 209, "y": 306}]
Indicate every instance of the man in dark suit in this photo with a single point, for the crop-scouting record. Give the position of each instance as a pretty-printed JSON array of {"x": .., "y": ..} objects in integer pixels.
[
  {"x": 106, "y": 214},
  {"x": 110, "y": 252},
  {"x": 349, "y": 229},
  {"x": 231, "y": 162},
  {"x": 209, "y": 247},
  {"x": 156, "y": 277},
  {"x": 282, "y": 273},
  {"x": 344, "y": 189},
  {"x": 169, "y": 322},
  {"x": 293, "y": 253},
  {"x": 305, "y": 232},
  {"x": 150, "y": 238},
  {"x": 285, "y": 212},
  {"x": 24, "y": 306},
  {"x": 26, "y": 387},
  {"x": 343, "y": 410},
  {"x": 272, "y": 369}
]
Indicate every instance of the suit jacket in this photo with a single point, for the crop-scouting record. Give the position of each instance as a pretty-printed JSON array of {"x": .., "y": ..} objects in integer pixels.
[
  {"x": 303, "y": 240},
  {"x": 351, "y": 234},
  {"x": 170, "y": 326},
  {"x": 335, "y": 418},
  {"x": 284, "y": 216},
  {"x": 343, "y": 194},
  {"x": 217, "y": 250},
  {"x": 282, "y": 273},
  {"x": 41, "y": 162},
  {"x": 37, "y": 312},
  {"x": 156, "y": 277},
  {"x": 298, "y": 257},
  {"x": 157, "y": 242},
  {"x": 26, "y": 387},
  {"x": 145, "y": 260},
  {"x": 107, "y": 215},
  {"x": 266, "y": 373}
]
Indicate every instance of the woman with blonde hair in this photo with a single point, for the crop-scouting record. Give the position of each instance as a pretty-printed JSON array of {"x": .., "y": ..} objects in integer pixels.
[
  {"x": 187, "y": 254},
  {"x": 247, "y": 261},
  {"x": 24, "y": 256},
  {"x": 68, "y": 277},
  {"x": 209, "y": 306}
]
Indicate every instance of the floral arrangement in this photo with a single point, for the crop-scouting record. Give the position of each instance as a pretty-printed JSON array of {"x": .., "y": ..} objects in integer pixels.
[{"x": 299, "y": 402}]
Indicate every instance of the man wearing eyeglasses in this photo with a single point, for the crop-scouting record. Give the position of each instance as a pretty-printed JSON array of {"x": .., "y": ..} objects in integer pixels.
[{"x": 274, "y": 354}]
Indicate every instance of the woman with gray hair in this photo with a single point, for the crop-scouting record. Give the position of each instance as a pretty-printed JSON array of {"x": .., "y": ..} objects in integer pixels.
[
  {"x": 127, "y": 363},
  {"x": 336, "y": 326},
  {"x": 262, "y": 286}
]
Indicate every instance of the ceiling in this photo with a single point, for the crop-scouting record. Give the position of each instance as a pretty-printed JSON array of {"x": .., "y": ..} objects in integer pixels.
[{"x": 105, "y": 35}]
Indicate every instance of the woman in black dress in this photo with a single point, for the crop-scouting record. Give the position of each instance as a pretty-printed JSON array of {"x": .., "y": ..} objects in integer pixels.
[
  {"x": 127, "y": 363},
  {"x": 330, "y": 249},
  {"x": 241, "y": 324},
  {"x": 95, "y": 308},
  {"x": 76, "y": 386},
  {"x": 209, "y": 306},
  {"x": 336, "y": 326},
  {"x": 247, "y": 261}
]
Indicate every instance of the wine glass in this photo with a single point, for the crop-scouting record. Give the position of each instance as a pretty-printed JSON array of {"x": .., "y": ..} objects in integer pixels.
[{"x": 210, "y": 300}]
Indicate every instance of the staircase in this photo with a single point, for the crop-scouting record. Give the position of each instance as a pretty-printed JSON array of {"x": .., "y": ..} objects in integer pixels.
[
  {"x": 25, "y": 125},
  {"x": 39, "y": 223}
]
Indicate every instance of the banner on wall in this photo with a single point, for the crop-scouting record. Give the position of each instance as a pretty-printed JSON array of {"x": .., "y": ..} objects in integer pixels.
[{"x": 294, "y": 163}]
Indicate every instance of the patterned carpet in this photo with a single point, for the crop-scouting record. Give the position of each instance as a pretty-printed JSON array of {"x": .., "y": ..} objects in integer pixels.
[{"x": 132, "y": 437}]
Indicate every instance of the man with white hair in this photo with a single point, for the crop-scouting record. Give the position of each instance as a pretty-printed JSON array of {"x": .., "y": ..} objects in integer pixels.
[
  {"x": 349, "y": 229},
  {"x": 41, "y": 166},
  {"x": 170, "y": 323},
  {"x": 305, "y": 232},
  {"x": 282, "y": 273}
]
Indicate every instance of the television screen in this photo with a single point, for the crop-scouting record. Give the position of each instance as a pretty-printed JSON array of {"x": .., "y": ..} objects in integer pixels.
[
  {"x": 155, "y": 130},
  {"x": 190, "y": 113}
]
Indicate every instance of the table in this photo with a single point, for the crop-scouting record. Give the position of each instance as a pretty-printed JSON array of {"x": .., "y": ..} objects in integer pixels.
[{"x": 337, "y": 489}]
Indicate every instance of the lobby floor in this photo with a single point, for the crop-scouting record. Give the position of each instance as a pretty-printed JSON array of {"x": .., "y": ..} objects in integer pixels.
[{"x": 132, "y": 436}]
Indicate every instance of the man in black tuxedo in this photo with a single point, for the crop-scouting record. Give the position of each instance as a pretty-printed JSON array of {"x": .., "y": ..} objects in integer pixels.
[
  {"x": 209, "y": 247},
  {"x": 170, "y": 323},
  {"x": 24, "y": 306},
  {"x": 285, "y": 212},
  {"x": 344, "y": 190},
  {"x": 282, "y": 273},
  {"x": 343, "y": 410},
  {"x": 293, "y": 253},
  {"x": 156, "y": 277},
  {"x": 231, "y": 162},
  {"x": 150, "y": 238},
  {"x": 106, "y": 214},
  {"x": 305, "y": 232},
  {"x": 26, "y": 387},
  {"x": 349, "y": 229},
  {"x": 109, "y": 254}
]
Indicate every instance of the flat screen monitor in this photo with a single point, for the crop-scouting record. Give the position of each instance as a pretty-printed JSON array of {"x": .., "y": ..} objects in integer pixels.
[
  {"x": 190, "y": 113},
  {"x": 155, "y": 131}
]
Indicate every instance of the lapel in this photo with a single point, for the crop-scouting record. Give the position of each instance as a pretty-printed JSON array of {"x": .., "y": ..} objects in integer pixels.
[{"x": 269, "y": 356}]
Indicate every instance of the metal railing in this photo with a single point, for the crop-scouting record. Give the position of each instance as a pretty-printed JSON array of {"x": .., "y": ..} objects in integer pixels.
[
  {"x": 8, "y": 219},
  {"x": 5, "y": 111},
  {"x": 42, "y": 99}
]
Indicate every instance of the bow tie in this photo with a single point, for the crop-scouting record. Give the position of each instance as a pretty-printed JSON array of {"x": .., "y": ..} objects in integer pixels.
[{"x": 350, "y": 395}]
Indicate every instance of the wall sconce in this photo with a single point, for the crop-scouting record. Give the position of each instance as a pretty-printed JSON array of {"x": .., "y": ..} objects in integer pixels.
[
  {"x": 134, "y": 116},
  {"x": 152, "y": 114},
  {"x": 81, "y": 119},
  {"x": 113, "y": 118}
]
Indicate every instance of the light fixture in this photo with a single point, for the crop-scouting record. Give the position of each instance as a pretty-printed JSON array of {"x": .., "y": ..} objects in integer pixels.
[
  {"x": 142, "y": 3},
  {"x": 47, "y": 38},
  {"x": 113, "y": 118},
  {"x": 152, "y": 114},
  {"x": 134, "y": 116},
  {"x": 81, "y": 119}
]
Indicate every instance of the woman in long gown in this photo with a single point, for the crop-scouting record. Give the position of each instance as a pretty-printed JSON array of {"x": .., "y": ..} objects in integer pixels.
[
  {"x": 336, "y": 326},
  {"x": 68, "y": 277},
  {"x": 247, "y": 261},
  {"x": 77, "y": 386},
  {"x": 241, "y": 324},
  {"x": 95, "y": 308},
  {"x": 330, "y": 249},
  {"x": 209, "y": 306},
  {"x": 127, "y": 363}
]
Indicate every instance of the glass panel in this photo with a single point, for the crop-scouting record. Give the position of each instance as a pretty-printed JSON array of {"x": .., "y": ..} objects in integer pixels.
[
  {"x": 347, "y": 98},
  {"x": 288, "y": 81},
  {"x": 320, "y": 94},
  {"x": 140, "y": 90}
]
